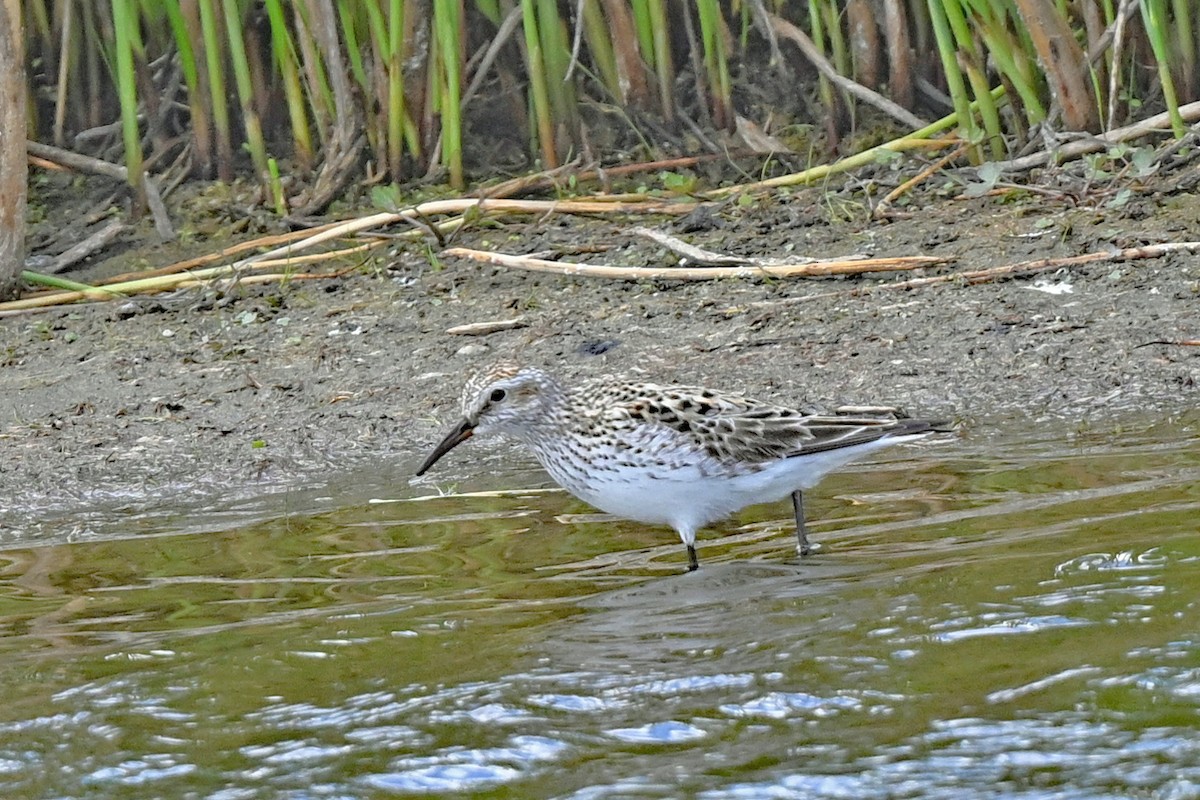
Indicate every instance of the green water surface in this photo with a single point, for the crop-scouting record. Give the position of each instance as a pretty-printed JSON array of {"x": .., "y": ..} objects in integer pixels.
[{"x": 1000, "y": 616}]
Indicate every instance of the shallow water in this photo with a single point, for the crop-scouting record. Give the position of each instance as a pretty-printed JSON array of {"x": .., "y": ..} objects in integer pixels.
[{"x": 1006, "y": 616}]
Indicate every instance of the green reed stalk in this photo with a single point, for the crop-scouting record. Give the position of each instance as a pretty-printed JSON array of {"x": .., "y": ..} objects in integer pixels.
[
  {"x": 245, "y": 89},
  {"x": 446, "y": 20},
  {"x": 38, "y": 19},
  {"x": 1186, "y": 36},
  {"x": 56, "y": 282},
  {"x": 839, "y": 50},
  {"x": 980, "y": 88},
  {"x": 198, "y": 115},
  {"x": 67, "y": 59},
  {"x": 276, "y": 187},
  {"x": 317, "y": 90},
  {"x": 539, "y": 91},
  {"x": 395, "y": 76},
  {"x": 1154, "y": 15},
  {"x": 645, "y": 29},
  {"x": 125, "y": 26},
  {"x": 490, "y": 9},
  {"x": 354, "y": 48},
  {"x": 816, "y": 32},
  {"x": 948, "y": 53},
  {"x": 715, "y": 64},
  {"x": 651, "y": 19},
  {"x": 1010, "y": 56},
  {"x": 284, "y": 51},
  {"x": 621, "y": 29},
  {"x": 376, "y": 112},
  {"x": 664, "y": 67},
  {"x": 216, "y": 89},
  {"x": 746, "y": 24},
  {"x": 597, "y": 32},
  {"x": 556, "y": 51}
]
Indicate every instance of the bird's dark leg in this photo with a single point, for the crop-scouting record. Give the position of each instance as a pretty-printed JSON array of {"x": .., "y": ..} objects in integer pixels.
[
  {"x": 802, "y": 545},
  {"x": 693, "y": 562}
]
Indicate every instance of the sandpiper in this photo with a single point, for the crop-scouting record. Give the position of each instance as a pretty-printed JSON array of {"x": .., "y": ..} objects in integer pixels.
[{"x": 671, "y": 455}]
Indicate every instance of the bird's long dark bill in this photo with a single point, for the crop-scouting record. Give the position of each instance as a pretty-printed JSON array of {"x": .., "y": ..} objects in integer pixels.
[{"x": 459, "y": 434}]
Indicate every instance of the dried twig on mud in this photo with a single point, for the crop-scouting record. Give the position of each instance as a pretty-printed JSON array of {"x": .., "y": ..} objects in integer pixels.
[
  {"x": 1007, "y": 271},
  {"x": 692, "y": 253},
  {"x": 185, "y": 281},
  {"x": 558, "y": 177},
  {"x": 96, "y": 166},
  {"x": 815, "y": 269},
  {"x": 97, "y": 241},
  {"x": 798, "y": 37},
  {"x": 483, "y": 206},
  {"x": 1189, "y": 112},
  {"x": 288, "y": 255},
  {"x": 884, "y": 208},
  {"x": 164, "y": 283},
  {"x": 490, "y": 326},
  {"x": 823, "y": 172},
  {"x": 220, "y": 255}
]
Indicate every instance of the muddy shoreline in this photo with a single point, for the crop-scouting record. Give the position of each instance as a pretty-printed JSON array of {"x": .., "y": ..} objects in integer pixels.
[{"x": 198, "y": 391}]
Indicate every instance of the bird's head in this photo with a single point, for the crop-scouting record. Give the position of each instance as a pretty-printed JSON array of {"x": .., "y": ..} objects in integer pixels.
[{"x": 502, "y": 399}]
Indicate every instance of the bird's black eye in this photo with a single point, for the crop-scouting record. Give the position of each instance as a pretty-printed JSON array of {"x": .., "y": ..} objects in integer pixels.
[{"x": 497, "y": 395}]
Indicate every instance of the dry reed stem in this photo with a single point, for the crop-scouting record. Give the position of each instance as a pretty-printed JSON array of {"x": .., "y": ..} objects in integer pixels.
[
  {"x": 225, "y": 252},
  {"x": 816, "y": 269},
  {"x": 267, "y": 277},
  {"x": 96, "y": 166},
  {"x": 884, "y": 206},
  {"x": 487, "y": 327},
  {"x": 152, "y": 285},
  {"x": 313, "y": 258},
  {"x": 551, "y": 179},
  {"x": 695, "y": 255},
  {"x": 482, "y": 206},
  {"x": 823, "y": 172},
  {"x": 180, "y": 274},
  {"x": 1009, "y": 270},
  {"x": 1190, "y": 112},
  {"x": 798, "y": 37}
]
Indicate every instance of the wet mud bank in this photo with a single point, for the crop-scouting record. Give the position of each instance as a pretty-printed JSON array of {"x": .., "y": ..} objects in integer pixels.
[{"x": 241, "y": 393}]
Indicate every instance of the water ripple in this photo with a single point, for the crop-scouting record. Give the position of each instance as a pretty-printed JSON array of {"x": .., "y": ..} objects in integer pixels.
[
  {"x": 1008, "y": 627},
  {"x": 672, "y": 687},
  {"x": 779, "y": 705},
  {"x": 669, "y": 732},
  {"x": 572, "y": 702},
  {"x": 1124, "y": 560},
  {"x": 449, "y": 647},
  {"x": 139, "y": 771},
  {"x": 468, "y": 769},
  {"x": 1021, "y": 758}
]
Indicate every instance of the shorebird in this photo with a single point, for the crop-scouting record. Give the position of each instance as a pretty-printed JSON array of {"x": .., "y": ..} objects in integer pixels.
[{"x": 669, "y": 455}]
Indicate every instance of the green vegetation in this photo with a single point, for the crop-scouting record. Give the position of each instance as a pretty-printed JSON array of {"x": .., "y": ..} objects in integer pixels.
[{"x": 242, "y": 87}]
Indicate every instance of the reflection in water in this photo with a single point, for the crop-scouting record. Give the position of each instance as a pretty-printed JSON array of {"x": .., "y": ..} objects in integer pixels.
[{"x": 1020, "y": 621}]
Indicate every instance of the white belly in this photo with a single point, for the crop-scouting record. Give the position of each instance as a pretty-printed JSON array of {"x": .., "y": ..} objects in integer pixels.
[{"x": 689, "y": 497}]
